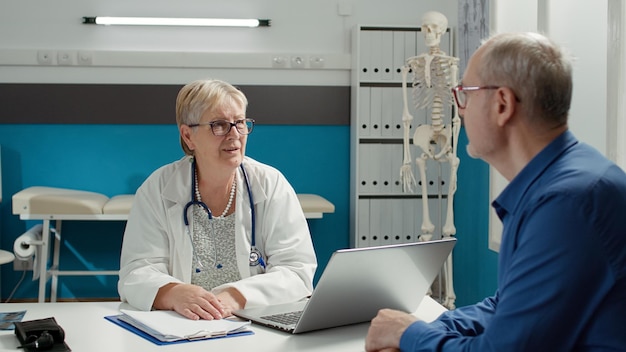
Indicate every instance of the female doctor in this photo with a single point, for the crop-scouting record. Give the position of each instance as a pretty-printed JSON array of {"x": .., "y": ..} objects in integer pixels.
[{"x": 215, "y": 231}]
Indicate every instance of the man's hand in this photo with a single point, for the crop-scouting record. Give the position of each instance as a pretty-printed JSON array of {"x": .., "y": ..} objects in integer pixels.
[{"x": 386, "y": 330}]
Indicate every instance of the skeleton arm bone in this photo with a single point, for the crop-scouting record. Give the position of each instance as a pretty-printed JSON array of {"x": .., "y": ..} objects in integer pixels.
[
  {"x": 406, "y": 174},
  {"x": 456, "y": 120}
]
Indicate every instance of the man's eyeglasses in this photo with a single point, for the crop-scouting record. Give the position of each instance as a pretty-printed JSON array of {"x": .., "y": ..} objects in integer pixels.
[
  {"x": 222, "y": 127},
  {"x": 460, "y": 93}
]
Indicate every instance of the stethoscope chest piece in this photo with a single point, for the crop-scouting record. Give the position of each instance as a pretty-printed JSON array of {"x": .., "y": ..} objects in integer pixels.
[{"x": 256, "y": 258}]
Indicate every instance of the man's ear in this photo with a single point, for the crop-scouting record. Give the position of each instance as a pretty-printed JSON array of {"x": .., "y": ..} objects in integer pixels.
[
  {"x": 185, "y": 134},
  {"x": 506, "y": 105}
]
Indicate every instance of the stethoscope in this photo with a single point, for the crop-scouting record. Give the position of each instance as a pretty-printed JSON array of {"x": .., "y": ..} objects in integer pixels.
[{"x": 256, "y": 258}]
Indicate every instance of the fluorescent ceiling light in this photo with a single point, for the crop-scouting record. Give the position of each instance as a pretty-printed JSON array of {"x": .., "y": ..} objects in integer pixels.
[{"x": 165, "y": 21}]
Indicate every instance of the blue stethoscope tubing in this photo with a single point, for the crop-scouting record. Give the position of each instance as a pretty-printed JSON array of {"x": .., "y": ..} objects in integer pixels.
[{"x": 256, "y": 258}]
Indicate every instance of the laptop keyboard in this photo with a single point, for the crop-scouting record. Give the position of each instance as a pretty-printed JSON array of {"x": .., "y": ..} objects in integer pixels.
[{"x": 288, "y": 318}]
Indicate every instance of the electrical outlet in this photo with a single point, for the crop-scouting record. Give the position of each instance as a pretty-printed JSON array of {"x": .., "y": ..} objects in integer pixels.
[
  {"x": 316, "y": 62},
  {"x": 23, "y": 265},
  {"x": 298, "y": 61},
  {"x": 85, "y": 58},
  {"x": 65, "y": 58},
  {"x": 45, "y": 57},
  {"x": 279, "y": 61}
]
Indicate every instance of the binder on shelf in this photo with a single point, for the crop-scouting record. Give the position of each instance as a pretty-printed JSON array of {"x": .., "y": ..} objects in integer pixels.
[
  {"x": 365, "y": 45},
  {"x": 397, "y": 227},
  {"x": 386, "y": 49},
  {"x": 376, "y": 55},
  {"x": 373, "y": 162},
  {"x": 410, "y": 217},
  {"x": 397, "y": 110},
  {"x": 163, "y": 326},
  {"x": 364, "y": 119},
  {"x": 376, "y": 111},
  {"x": 387, "y": 112},
  {"x": 385, "y": 165},
  {"x": 374, "y": 216},
  {"x": 363, "y": 228},
  {"x": 385, "y": 221},
  {"x": 398, "y": 54},
  {"x": 364, "y": 176}
]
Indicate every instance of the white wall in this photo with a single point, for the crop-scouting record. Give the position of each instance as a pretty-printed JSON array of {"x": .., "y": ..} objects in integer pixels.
[
  {"x": 616, "y": 89},
  {"x": 178, "y": 55},
  {"x": 581, "y": 26}
]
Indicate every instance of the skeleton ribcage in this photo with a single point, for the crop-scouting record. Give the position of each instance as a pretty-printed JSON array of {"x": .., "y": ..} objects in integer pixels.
[{"x": 424, "y": 93}]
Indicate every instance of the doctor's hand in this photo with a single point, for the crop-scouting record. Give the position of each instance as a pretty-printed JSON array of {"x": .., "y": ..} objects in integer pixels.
[
  {"x": 190, "y": 301},
  {"x": 231, "y": 300},
  {"x": 386, "y": 330}
]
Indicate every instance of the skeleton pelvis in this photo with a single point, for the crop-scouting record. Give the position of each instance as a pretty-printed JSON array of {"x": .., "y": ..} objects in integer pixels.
[{"x": 431, "y": 142}]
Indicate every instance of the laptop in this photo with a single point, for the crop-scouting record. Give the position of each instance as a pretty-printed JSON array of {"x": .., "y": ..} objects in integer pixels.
[{"x": 357, "y": 283}]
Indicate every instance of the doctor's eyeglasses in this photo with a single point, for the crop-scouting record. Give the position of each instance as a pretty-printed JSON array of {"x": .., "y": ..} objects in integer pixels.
[{"x": 222, "y": 127}]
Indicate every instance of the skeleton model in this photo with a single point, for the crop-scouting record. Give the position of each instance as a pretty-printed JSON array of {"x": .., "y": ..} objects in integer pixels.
[{"x": 434, "y": 73}]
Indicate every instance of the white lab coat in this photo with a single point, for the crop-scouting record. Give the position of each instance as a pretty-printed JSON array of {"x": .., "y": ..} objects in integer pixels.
[{"x": 157, "y": 249}]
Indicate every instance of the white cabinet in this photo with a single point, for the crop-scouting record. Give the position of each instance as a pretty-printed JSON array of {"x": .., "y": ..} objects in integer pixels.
[{"x": 381, "y": 213}]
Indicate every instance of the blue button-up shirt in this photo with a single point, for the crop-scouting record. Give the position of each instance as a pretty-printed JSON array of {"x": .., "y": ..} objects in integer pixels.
[{"x": 562, "y": 264}]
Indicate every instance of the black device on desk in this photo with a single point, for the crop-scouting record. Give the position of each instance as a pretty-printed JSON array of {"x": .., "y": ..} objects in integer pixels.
[{"x": 41, "y": 335}]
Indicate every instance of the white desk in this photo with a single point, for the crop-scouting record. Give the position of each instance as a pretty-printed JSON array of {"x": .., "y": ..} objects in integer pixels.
[{"x": 87, "y": 330}]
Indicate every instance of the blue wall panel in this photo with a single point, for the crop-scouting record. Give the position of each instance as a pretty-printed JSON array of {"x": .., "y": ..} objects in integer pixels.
[{"x": 475, "y": 265}]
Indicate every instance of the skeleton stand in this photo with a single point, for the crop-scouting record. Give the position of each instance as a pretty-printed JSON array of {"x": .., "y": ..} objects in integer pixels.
[{"x": 433, "y": 76}]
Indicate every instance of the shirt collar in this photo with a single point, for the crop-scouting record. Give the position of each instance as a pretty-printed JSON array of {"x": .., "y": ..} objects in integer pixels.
[{"x": 510, "y": 197}]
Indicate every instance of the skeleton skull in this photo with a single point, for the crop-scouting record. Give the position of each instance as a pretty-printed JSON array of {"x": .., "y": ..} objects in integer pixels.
[{"x": 434, "y": 24}]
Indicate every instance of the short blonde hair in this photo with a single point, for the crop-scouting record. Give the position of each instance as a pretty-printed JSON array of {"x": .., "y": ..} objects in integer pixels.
[{"x": 195, "y": 98}]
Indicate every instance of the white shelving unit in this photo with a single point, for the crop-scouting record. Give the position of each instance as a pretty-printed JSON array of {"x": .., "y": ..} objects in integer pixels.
[{"x": 381, "y": 213}]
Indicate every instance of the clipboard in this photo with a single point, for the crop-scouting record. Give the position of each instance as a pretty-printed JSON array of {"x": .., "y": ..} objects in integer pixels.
[{"x": 115, "y": 319}]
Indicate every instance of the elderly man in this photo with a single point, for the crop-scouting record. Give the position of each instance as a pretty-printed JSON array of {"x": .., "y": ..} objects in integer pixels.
[{"x": 562, "y": 268}]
